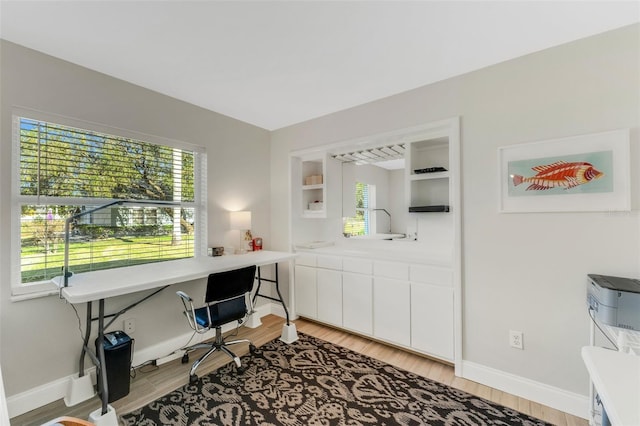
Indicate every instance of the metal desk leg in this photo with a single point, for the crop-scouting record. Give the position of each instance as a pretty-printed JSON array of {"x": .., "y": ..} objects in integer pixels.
[
  {"x": 289, "y": 333},
  {"x": 106, "y": 415},
  {"x": 103, "y": 386}
]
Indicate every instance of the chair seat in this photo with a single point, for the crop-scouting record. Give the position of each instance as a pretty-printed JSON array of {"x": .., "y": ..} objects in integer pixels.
[{"x": 222, "y": 313}]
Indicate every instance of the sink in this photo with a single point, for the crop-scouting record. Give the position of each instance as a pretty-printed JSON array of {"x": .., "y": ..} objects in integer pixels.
[{"x": 377, "y": 237}]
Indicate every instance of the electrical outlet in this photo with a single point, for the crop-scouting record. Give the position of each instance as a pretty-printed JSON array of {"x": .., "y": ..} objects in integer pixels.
[
  {"x": 129, "y": 326},
  {"x": 515, "y": 339}
]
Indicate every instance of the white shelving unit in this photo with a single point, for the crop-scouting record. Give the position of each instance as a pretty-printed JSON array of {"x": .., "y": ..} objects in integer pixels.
[
  {"x": 428, "y": 189},
  {"x": 310, "y": 184}
]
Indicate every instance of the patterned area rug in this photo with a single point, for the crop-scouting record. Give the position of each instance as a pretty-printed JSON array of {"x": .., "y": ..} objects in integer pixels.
[{"x": 313, "y": 382}]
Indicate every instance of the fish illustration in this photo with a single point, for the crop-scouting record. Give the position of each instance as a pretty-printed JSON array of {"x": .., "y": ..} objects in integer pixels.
[{"x": 559, "y": 174}]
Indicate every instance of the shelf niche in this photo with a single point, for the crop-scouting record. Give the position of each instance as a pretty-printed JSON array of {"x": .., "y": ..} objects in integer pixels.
[{"x": 428, "y": 192}]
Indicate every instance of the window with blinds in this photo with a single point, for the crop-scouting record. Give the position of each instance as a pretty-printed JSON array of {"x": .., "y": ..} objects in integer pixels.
[
  {"x": 66, "y": 171},
  {"x": 360, "y": 223}
]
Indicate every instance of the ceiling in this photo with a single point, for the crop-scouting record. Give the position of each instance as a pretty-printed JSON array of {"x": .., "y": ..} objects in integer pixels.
[{"x": 277, "y": 63}]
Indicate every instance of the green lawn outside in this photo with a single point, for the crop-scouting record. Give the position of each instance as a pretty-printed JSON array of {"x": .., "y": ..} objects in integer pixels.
[{"x": 39, "y": 264}]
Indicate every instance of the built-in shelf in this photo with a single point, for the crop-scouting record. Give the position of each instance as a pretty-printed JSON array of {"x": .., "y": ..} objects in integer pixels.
[
  {"x": 429, "y": 209},
  {"x": 429, "y": 176},
  {"x": 428, "y": 189},
  {"x": 310, "y": 187}
]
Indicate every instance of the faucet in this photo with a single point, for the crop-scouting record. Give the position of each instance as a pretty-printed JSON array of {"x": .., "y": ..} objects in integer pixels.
[{"x": 388, "y": 214}]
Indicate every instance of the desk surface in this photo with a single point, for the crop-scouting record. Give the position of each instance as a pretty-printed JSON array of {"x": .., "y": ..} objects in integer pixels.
[
  {"x": 616, "y": 377},
  {"x": 91, "y": 286}
]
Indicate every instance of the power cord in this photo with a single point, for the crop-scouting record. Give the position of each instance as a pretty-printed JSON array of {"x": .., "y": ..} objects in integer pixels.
[
  {"x": 79, "y": 322},
  {"x": 591, "y": 314}
]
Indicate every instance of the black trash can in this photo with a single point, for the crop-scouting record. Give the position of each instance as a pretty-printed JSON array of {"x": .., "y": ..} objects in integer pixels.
[{"x": 118, "y": 349}]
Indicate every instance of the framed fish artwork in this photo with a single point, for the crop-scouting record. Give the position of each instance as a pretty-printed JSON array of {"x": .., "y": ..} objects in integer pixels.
[{"x": 574, "y": 174}]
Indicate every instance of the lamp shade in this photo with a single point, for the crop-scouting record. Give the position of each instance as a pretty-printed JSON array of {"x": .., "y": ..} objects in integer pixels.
[{"x": 240, "y": 220}]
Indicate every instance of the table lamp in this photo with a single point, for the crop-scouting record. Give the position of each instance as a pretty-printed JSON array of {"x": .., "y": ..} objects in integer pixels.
[{"x": 242, "y": 221}]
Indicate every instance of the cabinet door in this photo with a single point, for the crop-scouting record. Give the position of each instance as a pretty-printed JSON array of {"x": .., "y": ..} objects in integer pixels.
[
  {"x": 432, "y": 320},
  {"x": 305, "y": 291},
  {"x": 329, "y": 296},
  {"x": 357, "y": 302},
  {"x": 392, "y": 310}
]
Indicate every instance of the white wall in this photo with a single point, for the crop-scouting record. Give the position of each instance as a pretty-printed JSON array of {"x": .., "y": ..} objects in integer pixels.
[
  {"x": 520, "y": 271},
  {"x": 40, "y": 341}
]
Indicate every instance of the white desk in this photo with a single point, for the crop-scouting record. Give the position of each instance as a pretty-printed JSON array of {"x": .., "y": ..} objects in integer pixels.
[
  {"x": 93, "y": 286},
  {"x": 100, "y": 285},
  {"x": 616, "y": 377}
]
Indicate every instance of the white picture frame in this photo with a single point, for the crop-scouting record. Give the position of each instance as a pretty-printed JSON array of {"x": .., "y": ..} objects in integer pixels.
[{"x": 595, "y": 169}]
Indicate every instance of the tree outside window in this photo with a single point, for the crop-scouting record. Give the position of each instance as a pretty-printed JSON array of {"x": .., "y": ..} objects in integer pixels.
[{"x": 65, "y": 170}]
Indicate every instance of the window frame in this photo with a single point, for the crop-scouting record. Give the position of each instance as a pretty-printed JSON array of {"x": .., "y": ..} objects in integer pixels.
[
  {"x": 370, "y": 203},
  {"x": 22, "y": 291}
]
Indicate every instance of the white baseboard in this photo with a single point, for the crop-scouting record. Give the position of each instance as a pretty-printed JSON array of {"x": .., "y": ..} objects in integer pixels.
[
  {"x": 49, "y": 392},
  {"x": 560, "y": 399},
  {"x": 39, "y": 396}
]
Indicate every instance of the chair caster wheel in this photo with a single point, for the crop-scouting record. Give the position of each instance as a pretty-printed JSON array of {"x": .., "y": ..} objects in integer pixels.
[
  {"x": 185, "y": 358},
  {"x": 241, "y": 369},
  {"x": 252, "y": 349},
  {"x": 192, "y": 379}
]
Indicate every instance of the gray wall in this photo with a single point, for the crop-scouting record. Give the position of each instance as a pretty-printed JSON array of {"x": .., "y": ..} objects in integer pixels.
[
  {"x": 520, "y": 271},
  {"x": 40, "y": 340}
]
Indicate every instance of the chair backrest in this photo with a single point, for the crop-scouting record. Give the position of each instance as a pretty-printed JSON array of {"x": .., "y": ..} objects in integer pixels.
[{"x": 229, "y": 284}]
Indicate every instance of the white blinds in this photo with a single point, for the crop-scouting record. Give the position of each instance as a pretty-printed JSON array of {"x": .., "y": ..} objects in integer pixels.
[
  {"x": 65, "y": 170},
  {"x": 60, "y": 161}
]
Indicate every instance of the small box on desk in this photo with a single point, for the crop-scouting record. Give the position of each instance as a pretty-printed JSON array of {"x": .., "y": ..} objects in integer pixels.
[{"x": 215, "y": 251}]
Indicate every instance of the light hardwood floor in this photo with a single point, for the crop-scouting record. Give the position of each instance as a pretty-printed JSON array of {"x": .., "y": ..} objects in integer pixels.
[{"x": 151, "y": 382}]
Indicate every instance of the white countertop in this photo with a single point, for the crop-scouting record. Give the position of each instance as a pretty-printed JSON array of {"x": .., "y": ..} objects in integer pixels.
[
  {"x": 616, "y": 377},
  {"x": 91, "y": 286},
  {"x": 396, "y": 251}
]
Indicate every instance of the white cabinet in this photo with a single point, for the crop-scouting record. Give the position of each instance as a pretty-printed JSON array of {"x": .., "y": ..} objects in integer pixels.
[
  {"x": 329, "y": 291},
  {"x": 357, "y": 265},
  {"x": 395, "y": 270},
  {"x": 306, "y": 291},
  {"x": 318, "y": 288},
  {"x": 410, "y": 305},
  {"x": 392, "y": 310},
  {"x": 432, "y": 320},
  {"x": 357, "y": 302},
  {"x": 432, "y": 310}
]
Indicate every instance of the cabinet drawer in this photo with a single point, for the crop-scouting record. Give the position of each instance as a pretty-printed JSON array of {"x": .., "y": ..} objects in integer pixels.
[
  {"x": 305, "y": 259},
  {"x": 431, "y": 275},
  {"x": 357, "y": 265},
  {"x": 395, "y": 270},
  {"x": 329, "y": 262}
]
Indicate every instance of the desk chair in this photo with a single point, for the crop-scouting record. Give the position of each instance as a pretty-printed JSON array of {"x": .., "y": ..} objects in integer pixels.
[{"x": 227, "y": 299}]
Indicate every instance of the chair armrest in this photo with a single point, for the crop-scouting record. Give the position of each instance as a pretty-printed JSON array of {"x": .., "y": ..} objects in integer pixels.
[
  {"x": 184, "y": 296},
  {"x": 190, "y": 312}
]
